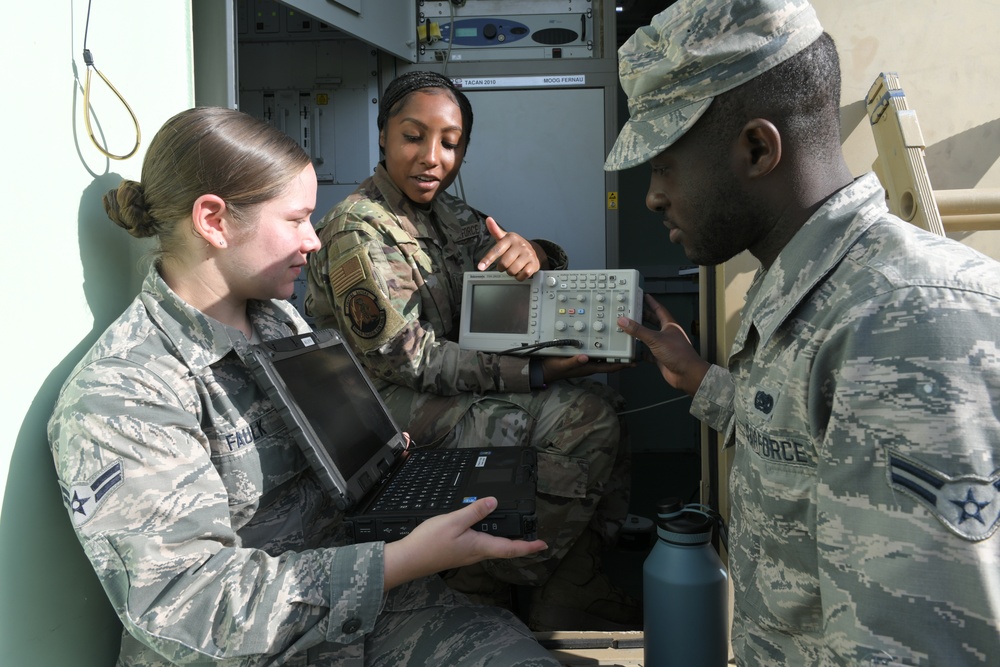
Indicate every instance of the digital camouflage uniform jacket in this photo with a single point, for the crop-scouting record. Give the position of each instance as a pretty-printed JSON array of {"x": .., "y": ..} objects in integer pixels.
[
  {"x": 202, "y": 518},
  {"x": 863, "y": 390}
]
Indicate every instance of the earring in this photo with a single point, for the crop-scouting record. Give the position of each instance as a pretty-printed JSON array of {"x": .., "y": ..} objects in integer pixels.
[{"x": 222, "y": 244}]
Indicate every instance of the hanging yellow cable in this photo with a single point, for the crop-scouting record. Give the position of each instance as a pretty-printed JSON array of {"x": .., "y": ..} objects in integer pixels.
[{"x": 88, "y": 59}]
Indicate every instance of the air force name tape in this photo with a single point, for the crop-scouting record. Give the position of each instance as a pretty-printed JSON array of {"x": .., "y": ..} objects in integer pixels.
[
  {"x": 82, "y": 500},
  {"x": 968, "y": 505}
]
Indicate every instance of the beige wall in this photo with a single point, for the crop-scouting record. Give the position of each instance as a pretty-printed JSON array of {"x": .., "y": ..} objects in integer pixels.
[
  {"x": 947, "y": 63},
  {"x": 67, "y": 271}
]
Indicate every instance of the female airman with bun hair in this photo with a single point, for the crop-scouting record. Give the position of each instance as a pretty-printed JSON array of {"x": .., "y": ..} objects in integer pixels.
[{"x": 207, "y": 527}]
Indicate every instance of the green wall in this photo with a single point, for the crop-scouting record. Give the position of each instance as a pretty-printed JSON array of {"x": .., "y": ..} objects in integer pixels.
[{"x": 67, "y": 272}]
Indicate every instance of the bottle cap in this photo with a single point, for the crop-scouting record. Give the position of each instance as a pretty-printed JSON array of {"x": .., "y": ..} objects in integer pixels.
[{"x": 680, "y": 525}]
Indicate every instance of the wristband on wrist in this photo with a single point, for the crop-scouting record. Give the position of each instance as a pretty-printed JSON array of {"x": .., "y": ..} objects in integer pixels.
[{"x": 536, "y": 376}]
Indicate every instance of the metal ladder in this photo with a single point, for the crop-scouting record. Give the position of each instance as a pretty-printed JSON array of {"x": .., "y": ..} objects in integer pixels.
[{"x": 901, "y": 169}]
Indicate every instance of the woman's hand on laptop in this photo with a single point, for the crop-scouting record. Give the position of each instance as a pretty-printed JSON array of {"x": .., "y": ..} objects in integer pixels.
[{"x": 447, "y": 541}]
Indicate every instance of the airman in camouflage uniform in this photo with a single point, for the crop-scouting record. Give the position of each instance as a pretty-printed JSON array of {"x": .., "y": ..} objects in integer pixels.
[
  {"x": 211, "y": 534},
  {"x": 209, "y": 530},
  {"x": 862, "y": 389},
  {"x": 389, "y": 278}
]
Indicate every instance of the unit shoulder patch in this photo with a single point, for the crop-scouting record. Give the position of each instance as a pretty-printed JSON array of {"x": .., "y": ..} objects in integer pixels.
[{"x": 365, "y": 312}]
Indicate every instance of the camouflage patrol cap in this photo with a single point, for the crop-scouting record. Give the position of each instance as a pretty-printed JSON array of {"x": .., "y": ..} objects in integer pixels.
[{"x": 694, "y": 50}]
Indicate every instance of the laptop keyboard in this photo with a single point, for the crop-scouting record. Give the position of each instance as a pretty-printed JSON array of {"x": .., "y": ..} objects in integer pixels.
[{"x": 428, "y": 480}]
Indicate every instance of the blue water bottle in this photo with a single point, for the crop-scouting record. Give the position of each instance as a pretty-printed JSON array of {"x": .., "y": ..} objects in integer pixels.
[{"x": 685, "y": 591}]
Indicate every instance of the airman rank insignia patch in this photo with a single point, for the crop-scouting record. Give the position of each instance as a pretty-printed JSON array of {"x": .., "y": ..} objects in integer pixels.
[
  {"x": 366, "y": 314},
  {"x": 82, "y": 500},
  {"x": 968, "y": 505}
]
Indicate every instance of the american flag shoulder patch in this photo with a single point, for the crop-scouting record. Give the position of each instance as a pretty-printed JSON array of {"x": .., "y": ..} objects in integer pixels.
[{"x": 347, "y": 273}]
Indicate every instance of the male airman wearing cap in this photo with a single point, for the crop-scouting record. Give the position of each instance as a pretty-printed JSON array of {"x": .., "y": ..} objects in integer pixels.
[{"x": 862, "y": 385}]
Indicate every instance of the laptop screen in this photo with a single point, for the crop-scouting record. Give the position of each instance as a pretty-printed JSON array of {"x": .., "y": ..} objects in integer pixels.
[
  {"x": 324, "y": 396},
  {"x": 339, "y": 404}
]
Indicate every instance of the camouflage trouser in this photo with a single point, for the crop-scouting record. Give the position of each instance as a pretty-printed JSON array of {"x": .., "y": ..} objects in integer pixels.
[
  {"x": 582, "y": 449},
  {"x": 422, "y": 622},
  {"x": 412, "y": 631}
]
